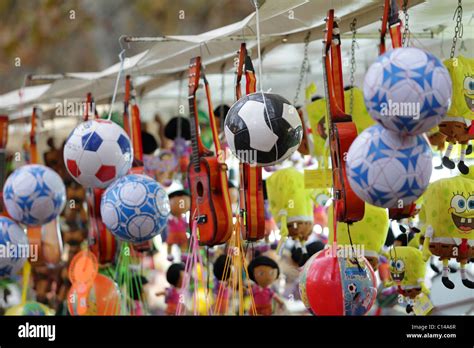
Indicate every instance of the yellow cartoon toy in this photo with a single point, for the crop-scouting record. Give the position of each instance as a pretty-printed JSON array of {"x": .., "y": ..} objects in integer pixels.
[
  {"x": 370, "y": 233},
  {"x": 291, "y": 204},
  {"x": 456, "y": 126},
  {"x": 408, "y": 270},
  {"x": 449, "y": 234}
]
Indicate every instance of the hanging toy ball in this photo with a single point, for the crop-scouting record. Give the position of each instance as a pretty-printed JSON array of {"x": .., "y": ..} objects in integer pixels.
[
  {"x": 12, "y": 238},
  {"x": 336, "y": 285},
  {"x": 97, "y": 152},
  {"x": 263, "y": 129},
  {"x": 302, "y": 280},
  {"x": 34, "y": 195},
  {"x": 388, "y": 170},
  {"x": 29, "y": 308},
  {"x": 407, "y": 90},
  {"x": 135, "y": 208}
]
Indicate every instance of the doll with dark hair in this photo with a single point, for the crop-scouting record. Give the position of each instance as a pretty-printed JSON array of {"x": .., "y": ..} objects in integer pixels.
[
  {"x": 180, "y": 203},
  {"x": 174, "y": 276},
  {"x": 264, "y": 271},
  {"x": 221, "y": 288}
]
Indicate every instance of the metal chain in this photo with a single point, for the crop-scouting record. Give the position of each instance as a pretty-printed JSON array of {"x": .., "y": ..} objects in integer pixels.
[
  {"x": 458, "y": 29},
  {"x": 406, "y": 30},
  {"x": 353, "y": 63},
  {"x": 304, "y": 68}
]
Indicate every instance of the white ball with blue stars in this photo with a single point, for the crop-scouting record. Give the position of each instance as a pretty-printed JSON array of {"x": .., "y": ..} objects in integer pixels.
[
  {"x": 388, "y": 170},
  {"x": 407, "y": 90},
  {"x": 34, "y": 195},
  {"x": 135, "y": 208},
  {"x": 14, "y": 247}
]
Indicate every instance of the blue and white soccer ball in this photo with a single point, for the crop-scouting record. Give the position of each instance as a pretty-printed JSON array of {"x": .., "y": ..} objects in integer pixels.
[
  {"x": 135, "y": 208},
  {"x": 263, "y": 129},
  {"x": 14, "y": 247},
  {"x": 407, "y": 90},
  {"x": 97, "y": 152},
  {"x": 388, "y": 170},
  {"x": 34, "y": 195}
]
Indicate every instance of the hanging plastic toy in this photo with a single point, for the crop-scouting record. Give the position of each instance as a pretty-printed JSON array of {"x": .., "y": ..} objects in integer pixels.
[
  {"x": 449, "y": 212},
  {"x": 367, "y": 235},
  {"x": 456, "y": 126}
]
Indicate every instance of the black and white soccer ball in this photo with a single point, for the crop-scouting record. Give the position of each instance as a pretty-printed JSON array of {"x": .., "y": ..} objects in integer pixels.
[{"x": 263, "y": 129}]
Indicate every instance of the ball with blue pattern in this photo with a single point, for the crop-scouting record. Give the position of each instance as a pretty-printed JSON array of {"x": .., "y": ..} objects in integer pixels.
[
  {"x": 14, "y": 247},
  {"x": 407, "y": 90},
  {"x": 34, "y": 195},
  {"x": 388, "y": 170},
  {"x": 135, "y": 208}
]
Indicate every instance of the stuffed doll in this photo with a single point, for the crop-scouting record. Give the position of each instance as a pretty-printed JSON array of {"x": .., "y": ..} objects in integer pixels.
[
  {"x": 370, "y": 233},
  {"x": 221, "y": 288},
  {"x": 174, "y": 276},
  {"x": 291, "y": 204},
  {"x": 407, "y": 270},
  {"x": 449, "y": 226},
  {"x": 264, "y": 271},
  {"x": 180, "y": 203},
  {"x": 456, "y": 126}
]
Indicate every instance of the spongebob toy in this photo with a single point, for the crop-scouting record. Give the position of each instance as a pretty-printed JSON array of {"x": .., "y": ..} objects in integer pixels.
[
  {"x": 408, "y": 269},
  {"x": 456, "y": 125},
  {"x": 370, "y": 233},
  {"x": 449, "y": 234}
]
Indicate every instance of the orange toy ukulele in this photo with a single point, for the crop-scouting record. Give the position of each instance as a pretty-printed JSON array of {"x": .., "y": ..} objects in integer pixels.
[
  {"x": 3, "y": 160},
  {"x": 251, "y": 187},
  {"x": 342, "y": 131},
  {"x": 101, "y": 241},
  {"x": 210, "y": 201}
]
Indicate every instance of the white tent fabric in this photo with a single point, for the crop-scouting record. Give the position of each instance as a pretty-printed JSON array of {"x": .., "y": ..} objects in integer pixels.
[{"x": 281, "y": 21}]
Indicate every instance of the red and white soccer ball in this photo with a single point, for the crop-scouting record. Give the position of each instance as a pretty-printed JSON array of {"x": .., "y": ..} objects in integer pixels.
[{"x": 97, "y": 152}]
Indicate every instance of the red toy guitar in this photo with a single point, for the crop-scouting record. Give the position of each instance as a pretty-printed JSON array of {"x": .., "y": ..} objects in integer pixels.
[
  {"x": 251, "y": 186},
  {"x": 134, "y": 131},
  {"x": 342, "y": 131},
  {"x": 101, "y": 241},
  {"x": 391, "y": 20},
  {"x": 3, "y": 160},
  {"x": 210, "y": 200}
]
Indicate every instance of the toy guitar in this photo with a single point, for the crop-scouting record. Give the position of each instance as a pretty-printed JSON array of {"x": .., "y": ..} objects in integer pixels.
[
  {"x": 391, "y": 20},
  {"x": 342, "y": 131},
  {"x": 3, "y": 160},
  {"x": 251, "y": 186},
  {"x": 34, "y": 232},
  {"x": 210, "y": 200},
  {"x": 135, "y": 133},
  {"x": 101, "y": 241}
]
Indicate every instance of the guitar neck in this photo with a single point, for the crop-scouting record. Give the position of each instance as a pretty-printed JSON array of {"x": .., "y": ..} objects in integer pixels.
[
  {"x": 196, "y": 145},
  {"x": 332, "y": 72},
  {"x": 33, "y": 147},
  {"x": 3, "y": 164},
  {"x": 212, "y": 119}
]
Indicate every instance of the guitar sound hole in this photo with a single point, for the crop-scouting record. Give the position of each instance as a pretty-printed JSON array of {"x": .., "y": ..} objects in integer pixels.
[{"x": 200, "y": 189}]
